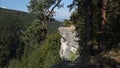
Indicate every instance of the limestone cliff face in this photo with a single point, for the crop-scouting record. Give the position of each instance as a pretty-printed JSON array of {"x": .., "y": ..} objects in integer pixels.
[{"x": 69, "y": 43}]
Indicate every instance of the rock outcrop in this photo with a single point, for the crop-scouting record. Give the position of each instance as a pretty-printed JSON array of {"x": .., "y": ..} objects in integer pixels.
[{"x": 69, "y": 43}]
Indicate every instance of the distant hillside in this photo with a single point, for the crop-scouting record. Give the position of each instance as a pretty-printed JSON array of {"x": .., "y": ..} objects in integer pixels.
[
  {"x": 53, "y": 26},
  {"x": 10, "y": 10},
  {"x": 22, "y": 19},
  {"x": 15, "y": 18},
  {"x": 12, "y": 24}
]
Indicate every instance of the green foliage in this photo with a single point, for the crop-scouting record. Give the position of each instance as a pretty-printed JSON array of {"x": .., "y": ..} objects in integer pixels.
[
  {"x": 73, "y": 56},
  {"x": 67, "y": 23},
  {"x": 34, "y": 34},
  {"x": 112, "y": 31},
  {"x": 12, "y": 23},
  {"x": 44, "y": 56},
  {"x": 49, "y": 52},
  {"x": 52, "y": 57},
  {"x": 33, "y": 37},
  {"x": 53, "y": 26},
  {"x": 112, "y": 24},
  {"x": 19, "y": 32}
]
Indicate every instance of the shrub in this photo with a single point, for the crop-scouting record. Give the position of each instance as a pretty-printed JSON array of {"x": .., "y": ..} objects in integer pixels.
[{"x": 73, "y": 56}]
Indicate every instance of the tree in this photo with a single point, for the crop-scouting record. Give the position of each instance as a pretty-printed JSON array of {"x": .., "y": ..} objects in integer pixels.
[
  {"x": 44, "y": 9},
  {"x": 104, "y": 27},
  {"x": 103, "y": 22},
  {"x": 67, "y": 23},
  {"x": 12, "y": 23},
  {"x": 112, "y": 25},
  {"x": 33, "y": 37},
  {"x": 88, "y": 24},
  {"x": 84, "y": 20}
]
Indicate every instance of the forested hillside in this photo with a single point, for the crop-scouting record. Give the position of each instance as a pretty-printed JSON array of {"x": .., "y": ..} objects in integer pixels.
[
  {"x": 89, "y": 38},
  {"x": 15, "y": 26}
]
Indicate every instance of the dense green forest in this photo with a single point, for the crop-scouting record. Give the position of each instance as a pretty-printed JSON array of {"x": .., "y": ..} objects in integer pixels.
[
  {"x": 16, "y": 28},
  {"x": 32, "y": 40}
]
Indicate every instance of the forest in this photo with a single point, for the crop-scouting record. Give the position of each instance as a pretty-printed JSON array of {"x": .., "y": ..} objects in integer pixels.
[
  {"x": 16, "y": 28},
  {"x": 32, "y": 40}
]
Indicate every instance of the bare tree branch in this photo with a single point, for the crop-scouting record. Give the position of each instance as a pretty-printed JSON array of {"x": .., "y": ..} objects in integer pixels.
[{"x": 54, "y": 7}]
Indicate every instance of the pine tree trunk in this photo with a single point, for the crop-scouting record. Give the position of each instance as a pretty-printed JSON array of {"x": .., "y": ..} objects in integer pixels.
[
  {"x": 88, "y": 25},
  {"x": 103, "y": 23}
]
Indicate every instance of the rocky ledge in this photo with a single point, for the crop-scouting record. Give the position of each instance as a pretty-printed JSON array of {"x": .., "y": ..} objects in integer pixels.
[{"x": 69, "y": 43}]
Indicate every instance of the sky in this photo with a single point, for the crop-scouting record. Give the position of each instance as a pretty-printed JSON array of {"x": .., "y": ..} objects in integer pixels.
[{"x": 62, "y": 13}]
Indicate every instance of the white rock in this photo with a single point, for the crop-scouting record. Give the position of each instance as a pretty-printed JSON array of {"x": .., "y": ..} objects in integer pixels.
[{"x": 69, "y": 42}]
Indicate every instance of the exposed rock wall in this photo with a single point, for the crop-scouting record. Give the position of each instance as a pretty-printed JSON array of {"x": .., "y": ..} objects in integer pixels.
[{"x": 69, "y": 43}]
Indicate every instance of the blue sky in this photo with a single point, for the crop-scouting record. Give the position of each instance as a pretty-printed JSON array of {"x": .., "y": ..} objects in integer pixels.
[
  {"x": 62, "y": 13},
  {"x": 14, "y": 4}
]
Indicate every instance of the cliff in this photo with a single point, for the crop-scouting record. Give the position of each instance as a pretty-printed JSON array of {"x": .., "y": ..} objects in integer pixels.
[{"x": 69, "y": 43}]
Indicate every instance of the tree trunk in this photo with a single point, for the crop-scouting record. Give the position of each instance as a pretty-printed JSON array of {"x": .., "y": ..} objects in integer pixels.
[
  {"x": 46, "y": 22},
  {"x": 88, "y": 25},
  {"x": 51, "y": 11},
  {"x": 103, "y": 23}
]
